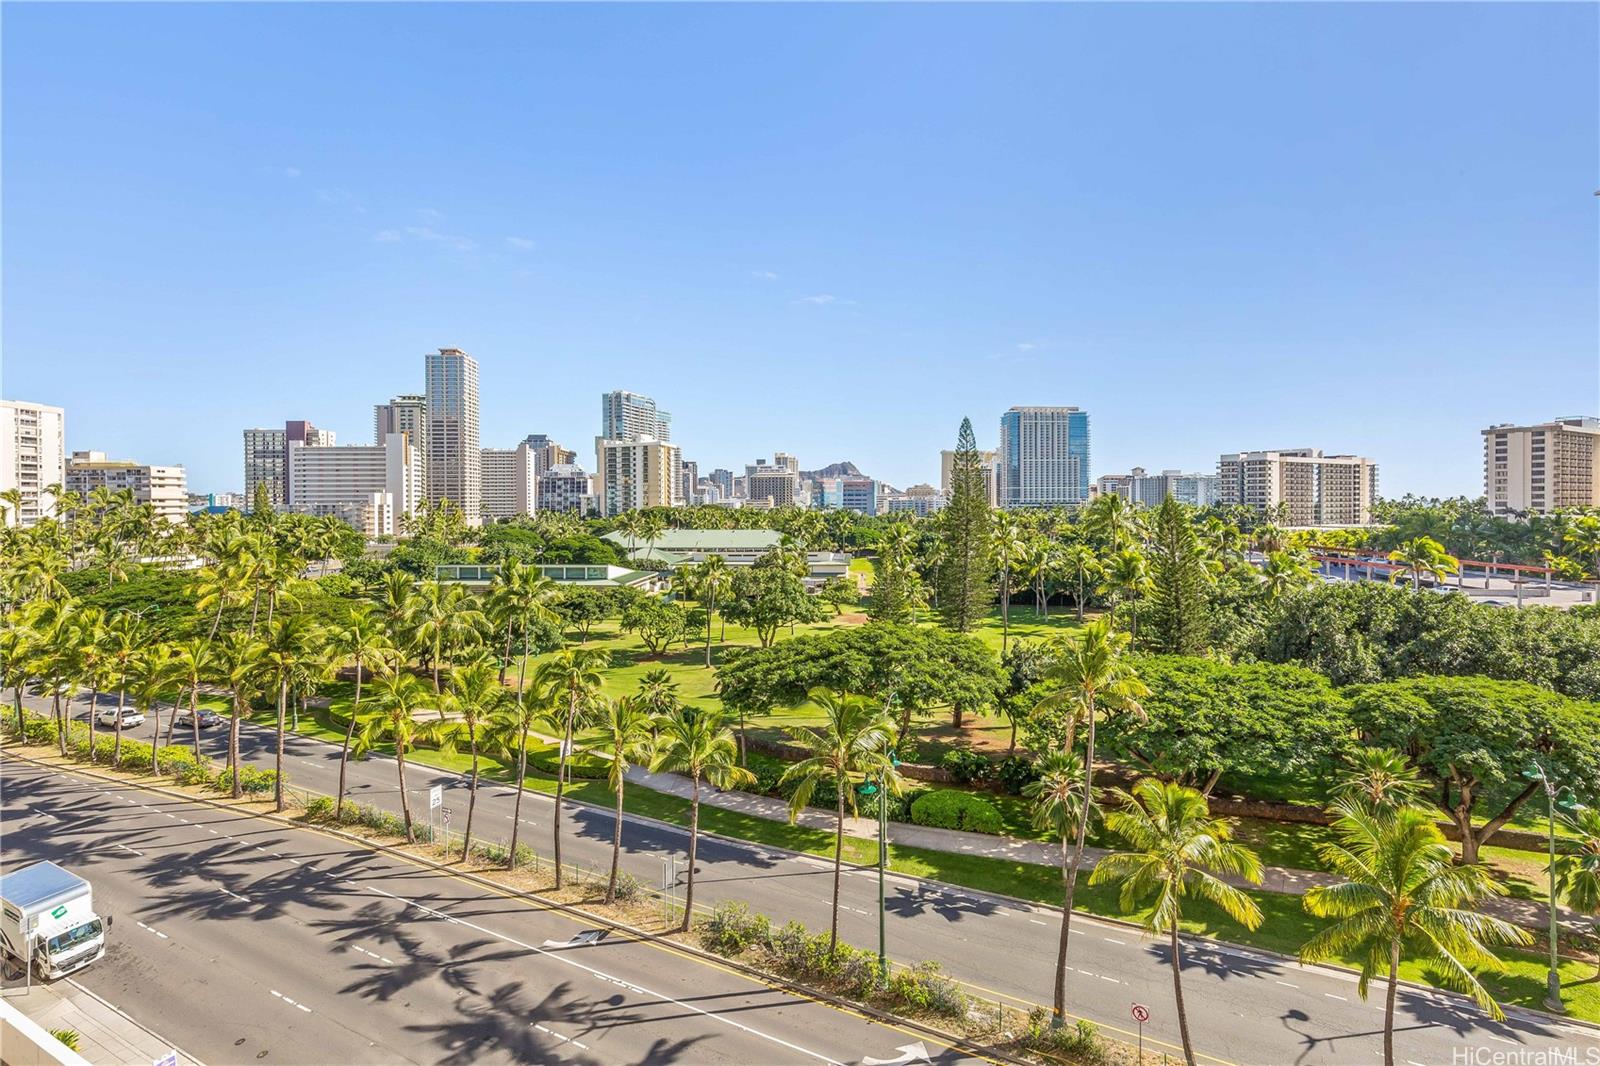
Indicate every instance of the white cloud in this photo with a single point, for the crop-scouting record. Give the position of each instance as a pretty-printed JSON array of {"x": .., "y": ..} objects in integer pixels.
[
  {"x": 291, "y": 172},
  {"x": 521, "y": 244},
  {"x": 1027, "y": 346},
  {"x": 764, "y": 275},
  {"x": 388, "y": 236},
  {"x": 821, "y": 299},
  {"x": 429, "y": 235}
]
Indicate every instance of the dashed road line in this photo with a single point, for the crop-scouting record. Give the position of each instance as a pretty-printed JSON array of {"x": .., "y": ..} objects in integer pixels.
[
  {"x": 1286, "y": 984},
  {"x": 1330, "y": 995},
  {"x": 147, "y": 929},
  {"x": 1114, "y": 940}
]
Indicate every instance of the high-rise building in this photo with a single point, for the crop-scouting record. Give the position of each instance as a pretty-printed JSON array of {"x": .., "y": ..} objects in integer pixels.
[
  {"x": 920, "y": 500},
  {"x": 33, "y": 453},
  {"x": 775, "y": 484},
  {"x": 1536, "y": 469},
  {"x": 1309, "y": 488},
  {"x": 406, "y": 414},
  {"x": 565, "y": 488},
  {"x": 510, "y": 481},
  {"x": 454, "y": 451},
  {"x": 1043, "y": 458},
  {"x": 991, "y": 477},
  {"x": 723, "y": 480},
  {"x": 689, "y": 481},
  {"x": 858, "y": 494},
  {"x": 629, "y": 416},
  {"x": 547, "y": 453},
  {"x": 634, "y": 474},
  {"x": 1152, "y": 490},
  {"x": 164, "y": 488},
  {"x": 266, "y": 457},
  {"x": 370, "y": 486}
]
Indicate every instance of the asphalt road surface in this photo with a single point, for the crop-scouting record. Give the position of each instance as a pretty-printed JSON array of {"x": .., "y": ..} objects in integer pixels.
[
  {"x": 243, "y": 940},
  {"x": 1245, "y": 1007}
]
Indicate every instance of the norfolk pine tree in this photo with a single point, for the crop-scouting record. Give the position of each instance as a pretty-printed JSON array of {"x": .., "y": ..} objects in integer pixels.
[{"x": 965, "y": 576}]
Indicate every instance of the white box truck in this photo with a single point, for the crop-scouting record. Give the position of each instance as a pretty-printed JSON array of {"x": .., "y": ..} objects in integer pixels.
[{"x": 47, "y": 916}]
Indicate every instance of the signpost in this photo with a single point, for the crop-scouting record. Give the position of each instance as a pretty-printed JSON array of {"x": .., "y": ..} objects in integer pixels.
[
  {"x": 435, "y": 801},
  {"x": 1141, "y": 1014}
]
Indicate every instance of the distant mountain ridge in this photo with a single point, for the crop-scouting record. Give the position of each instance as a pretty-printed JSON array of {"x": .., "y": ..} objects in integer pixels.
[{"x": 844, "y": 469}]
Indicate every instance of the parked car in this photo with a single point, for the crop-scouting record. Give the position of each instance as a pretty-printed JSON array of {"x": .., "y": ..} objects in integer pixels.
[
  {"x": 208, "y": 718},
  {"x": 131, "y": 716}
]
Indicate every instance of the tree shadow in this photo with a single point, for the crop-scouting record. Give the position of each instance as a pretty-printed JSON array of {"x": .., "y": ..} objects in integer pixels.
[
  {"x": 912, "y": 903},
  {"x": 1213, "y": 963}
]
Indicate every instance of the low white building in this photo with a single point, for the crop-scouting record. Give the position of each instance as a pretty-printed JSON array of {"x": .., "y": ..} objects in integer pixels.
[
  {"x": 370, "y": 486},
  {"x": 164, "y": 488}
]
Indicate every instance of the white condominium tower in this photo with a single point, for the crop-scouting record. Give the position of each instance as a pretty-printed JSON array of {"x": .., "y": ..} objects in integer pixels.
[
  {"x": 1311, "y": 488},
  {"x": 630, "y": 416},
  {"x": 32, "y": 457},
  {"x": 370, "y": 486},
  {"x": 406, "y": 414},
  {"x": 164, "y": 488},
  {"x": 1536, "y": 469},
  {"x": 266, "y": 457},
  {"x": 454, "y": 452},
  {"x": 1043, "y": 458},
  {"x": 510, "y": 481}
]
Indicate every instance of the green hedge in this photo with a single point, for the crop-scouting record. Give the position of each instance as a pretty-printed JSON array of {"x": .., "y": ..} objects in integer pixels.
[
  {"x": 581, "y": 765},
  {"x": 948, "y": 808}
]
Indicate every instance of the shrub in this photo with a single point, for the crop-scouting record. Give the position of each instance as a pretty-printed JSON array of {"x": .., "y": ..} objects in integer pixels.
[
  {"x": 581, "y": 765},
  {"x": 1015, "y": 773},
  {"x": 629, "y": 887},
  {"x": 925, "y": 988},
  {"x": 319, "y": 809},
  {"x": 1082, "y": 1041},
  {"x": 949, "y": 808},
  {"x": 69, "y": 1037},
  {"x": 732, "y": 930},
  {"x": 252, "y": 782},
  {"x": 900, "y": 806},
  {"x": 767, "y": 769},
  {"x": 966, "y": 766}
]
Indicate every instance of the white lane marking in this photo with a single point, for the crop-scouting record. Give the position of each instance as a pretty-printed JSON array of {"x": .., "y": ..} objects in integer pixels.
[
  {"x": 1036, "y": 921},
  {"x": 569, "y": 960},
  {"x": 130, "y": 851},
  {"x": 213, "y": 832},
  {"x": 1330, "y": 995},
  {"x": 1113, "y": 980},
  {"x": 1286, "y": 984},
  {"x": 289, "y": 1001},
  {"x": 235, "y": 895},
  {"x": 147, "y": 929},
  {"x": 1502, "y": 1039},
  {"x": 1114, "y": 940}
]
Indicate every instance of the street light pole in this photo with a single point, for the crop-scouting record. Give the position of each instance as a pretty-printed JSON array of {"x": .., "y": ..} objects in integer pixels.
[
  {"x": 883, "y": 852},
  {"x": 1552, "y": 997}
]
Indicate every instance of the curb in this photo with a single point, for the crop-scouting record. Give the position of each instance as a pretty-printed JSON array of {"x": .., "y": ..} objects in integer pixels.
[{"x": 771, "y": 980}]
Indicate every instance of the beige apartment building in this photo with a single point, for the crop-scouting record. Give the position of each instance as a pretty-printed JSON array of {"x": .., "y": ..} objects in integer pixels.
[
  {"x": 988, "y": 459},
  {"x": 372, "y": 487},
  {"x": 164, "y": 488},
  {"x": 1313, "y": 489},
  {"x": 32, "y": 457},
  {"x": 633, "y": 474},
  {"x": 1537, "y": 469},
  {"x": 510, "y": 481}
]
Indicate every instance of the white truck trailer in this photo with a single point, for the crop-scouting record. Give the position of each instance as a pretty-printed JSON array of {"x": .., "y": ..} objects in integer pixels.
[{"x": 47, "y": 918}]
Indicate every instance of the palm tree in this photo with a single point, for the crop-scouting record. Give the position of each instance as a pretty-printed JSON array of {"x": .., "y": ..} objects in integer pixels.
[
  {"x": 399, "y": 696},
  {"x": 1126, "y": 577},
  {"x": 712, "y": 579},
  {"x": 658, "y": 691},
  {"x": 1091, "y": 671},
  {"x": 1580, "y": 868},
  {"x": 1056, "y": 797},
  {"x": 445, "y": 619},
  {"x": 193, "y": 661},
  {"x": 291, "y": 642},
  {"x": 397, "y": 611},
  {"x": 126, "y": 636},
  {"x": 156, "y": 677},
  {"x": 239, "y": 667},
  {"x": 1111, "y": 520},
  {"x": 1008, "y": 549},
  {"x": 1403, "y": 892},
  {"x": 626, "y": 733},
  {"x": 475, "y": 693},
  {"x": 856, "y": 738},
  {"x": 1081, "y": 560},
  {"x": 520, "y": 594},
  {"x": 575, "y": 676},
  {"x": 361, "y": 641},
  {"x": 1178, "y": 849},
  {"x": 699, "y": 745},
  {"x": 1423, "y": 555},
  {"x": 1380, "y": 779},
  {"x": 1284, "y": 572},
  {"x": 506, "y": 734}
]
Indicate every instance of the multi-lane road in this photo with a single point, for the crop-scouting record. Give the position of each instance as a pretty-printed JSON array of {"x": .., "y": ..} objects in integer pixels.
[
  {"x": 1245, "y": 1007},
  {"x": 243, "y": 940}
]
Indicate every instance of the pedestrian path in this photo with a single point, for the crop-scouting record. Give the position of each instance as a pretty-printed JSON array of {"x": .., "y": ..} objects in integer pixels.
[{"x": 106, "y": 1036}]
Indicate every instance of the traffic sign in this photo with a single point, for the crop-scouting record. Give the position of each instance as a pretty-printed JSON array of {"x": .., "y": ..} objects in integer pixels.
[
  {"x": 435, "y": 797},
  {"x": 1140, "y": 1012},
  {"x": 444, "y": 813}
]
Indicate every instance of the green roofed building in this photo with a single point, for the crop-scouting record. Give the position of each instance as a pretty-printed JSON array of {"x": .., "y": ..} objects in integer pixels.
[
  {"x": 561, "y": 574},
  {"x": 738, "y": 547}
]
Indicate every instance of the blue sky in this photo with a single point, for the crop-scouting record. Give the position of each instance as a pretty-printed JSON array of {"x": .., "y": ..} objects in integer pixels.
[{"x": 827, "y": 230}]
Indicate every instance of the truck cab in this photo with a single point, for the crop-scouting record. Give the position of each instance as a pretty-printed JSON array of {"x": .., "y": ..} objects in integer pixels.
[{"x": 47, "y": 919}]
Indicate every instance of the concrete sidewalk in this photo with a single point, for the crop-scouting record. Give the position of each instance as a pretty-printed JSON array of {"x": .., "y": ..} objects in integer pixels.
[
  {"x": 1286, "y": 880},
  {"x": 106, "y": 1036}
]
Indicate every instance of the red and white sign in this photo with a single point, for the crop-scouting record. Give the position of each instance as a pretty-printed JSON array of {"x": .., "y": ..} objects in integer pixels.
[{"x": 1140, "y": 1012}]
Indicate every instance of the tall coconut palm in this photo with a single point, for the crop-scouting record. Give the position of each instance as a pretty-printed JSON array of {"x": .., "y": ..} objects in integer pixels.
[
  {"x": 194, "y": 661},
  {"x": 574, "y": 677},
  {"x": 398, "y": 696},
  {"x": 1008, "y": 548},
  {"x": 291, "y": 643},
  {"x": 1380, "y": 779},
  {"x": 1056, "y": 797},
  {"x": 1178, "y": 851},
  {"x": 239, "y": 668},
  {"x": 157, "y": 677},
  {"x": 1091, "y": 673},
  {"x": 362, "y": 642},
  {"x": 856, "y": 740},
  {"x": 475, "y": 694},
  {"x": 521, "y": 595},
  {"x": 712, "y": 580},
  {"x": 506, "y": 735},
  {"x": 397, "y": 608},
  {"x": 1081, "y": 561},
  {"x": 447, "y": 617},
  {"x": 1403, "y": 894},
  {"x": 1423, "y": 555},
  {"x": 1284, "y": 572},
  {"x": 1580, "y": 867},
  {"x": 627, "y": 732},
  {"x": 126, "y": 637},
  {"x": 699, "y": 745},
  {"x": 1126, "y": 579},
  {"x": 1112, "y": 521}
]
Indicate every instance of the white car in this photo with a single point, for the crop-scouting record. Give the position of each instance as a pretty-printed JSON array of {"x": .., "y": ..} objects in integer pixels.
[{"x": 131, "y": 716}]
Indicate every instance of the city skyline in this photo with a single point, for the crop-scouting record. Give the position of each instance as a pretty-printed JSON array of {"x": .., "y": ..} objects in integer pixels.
[{"x": 1203, "y": 264}]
